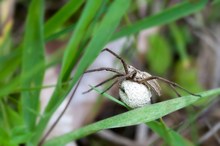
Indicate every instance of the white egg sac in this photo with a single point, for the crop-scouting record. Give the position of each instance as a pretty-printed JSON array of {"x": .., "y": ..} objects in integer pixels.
[{"x": 134, "y": 94}]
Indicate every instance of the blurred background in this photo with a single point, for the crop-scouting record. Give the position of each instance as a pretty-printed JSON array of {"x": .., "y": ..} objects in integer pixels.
[{"x": 186, "y": 51}]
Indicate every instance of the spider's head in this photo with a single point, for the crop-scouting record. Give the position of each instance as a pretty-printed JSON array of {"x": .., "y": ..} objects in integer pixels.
[{"x": 131, "y": 68}]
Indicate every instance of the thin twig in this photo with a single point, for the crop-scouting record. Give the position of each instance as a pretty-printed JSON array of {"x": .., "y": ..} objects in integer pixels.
[
  {"x": 115, "y": 138},
  {"x": 211, "y": 132},
  {"x": 62, "y": 113}
]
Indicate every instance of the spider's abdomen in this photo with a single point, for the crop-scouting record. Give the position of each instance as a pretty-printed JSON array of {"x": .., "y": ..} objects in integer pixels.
[{"x": 134, "y": 94}]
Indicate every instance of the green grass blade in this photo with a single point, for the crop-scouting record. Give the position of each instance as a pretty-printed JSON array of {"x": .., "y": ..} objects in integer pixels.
[
  {"x": 14, "y": 85},
  {"x": 60, "y": 33},
  {"x": 164, "y": 17},
  {"x": 100, "y": 38},
  {"x": 180, "y": 43},
  {"x": 32, "y": 56},
  {"x": 7, "y": 70},
  {"x": 72, "y": 49},
  {"x": 171, "y": 137},
  {"x": 61, "y": 16},
  {"x": 102, "y": 35},
  {"x": 110, "y": 97},
  {"x": 70, "y": 28},
  {"x": 133, "y": 117}
]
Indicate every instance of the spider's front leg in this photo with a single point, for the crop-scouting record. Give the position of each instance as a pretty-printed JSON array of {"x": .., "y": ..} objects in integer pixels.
[
  {"x": 103, "y": 82},
  {"x": 122, "y": 60},
  {"x": 104, "y": 69},
  {"x": 118, "y": 74},
  {"x": 119, "y": 80}
]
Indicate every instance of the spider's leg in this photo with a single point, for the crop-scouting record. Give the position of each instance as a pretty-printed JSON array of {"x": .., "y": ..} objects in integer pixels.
[
  {"x": 104, "y": 69},
  {"x": 174, "y": 89},
  {"x": 103, "y": 82},
  {"x": 170, "y": 83},
  {"x": 176, "y": 85},
  {"x": 115, "y": 82},
  {"x": 122, "y": 61},
  {"x": 119, "y": 80}
]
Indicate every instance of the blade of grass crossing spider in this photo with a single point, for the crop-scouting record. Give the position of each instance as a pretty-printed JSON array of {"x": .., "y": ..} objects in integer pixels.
[
  {"x": 72, "y": 49},
  {"x": 164, "y": 17},
  {"x": 170, "y": 136},
  {"x": 110, "y": 97},
  {"x": 61, "y": 16},
  {"x": 133, "y": 117},
  {"x": 32, "y": 56}
]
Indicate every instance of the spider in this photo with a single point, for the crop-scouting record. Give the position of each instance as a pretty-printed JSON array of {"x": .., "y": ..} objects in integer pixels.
[{"x": 135, "y": 86}]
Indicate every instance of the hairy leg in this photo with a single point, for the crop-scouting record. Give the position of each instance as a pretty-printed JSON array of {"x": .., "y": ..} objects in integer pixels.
[
  {"x": 103, "y": 82},
  {"x": 104, "y": 69},
  {"x": 119, "y": 80},
  {"x": 122, "y": 61},
  {"x": 174, "y": 89},
  {"x": 173, "y": 84},
  {"x": 115, "y": 82}
]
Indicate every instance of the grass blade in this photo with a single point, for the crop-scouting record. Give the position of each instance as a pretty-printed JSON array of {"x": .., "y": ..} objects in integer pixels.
[
  {"x": 72, "y": 49},
  {"x": 164, "y": 17},
  {"x": 61, "y": 16},
  {"x": 169, "y": 15},
  {"x": 32, "y": 56},
  {"x": 180, "y": 43},
  {"x": 110, "y": 97},
  {"x": 100, "y": 37},
  {"x": 133, "y": 117},
  {"x": 171, "y": 137},
  {"x": 60, "y": 33}
]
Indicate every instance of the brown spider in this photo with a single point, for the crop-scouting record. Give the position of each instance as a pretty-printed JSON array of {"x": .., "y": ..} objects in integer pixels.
[{"x": 136, "y": 76}]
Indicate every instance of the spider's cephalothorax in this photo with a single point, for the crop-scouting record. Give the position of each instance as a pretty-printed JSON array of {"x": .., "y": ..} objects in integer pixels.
[
  {"x": 134, "y": 85},
  {"x": 140, "y": 77},
  {"x": 135, "y": 91}
]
